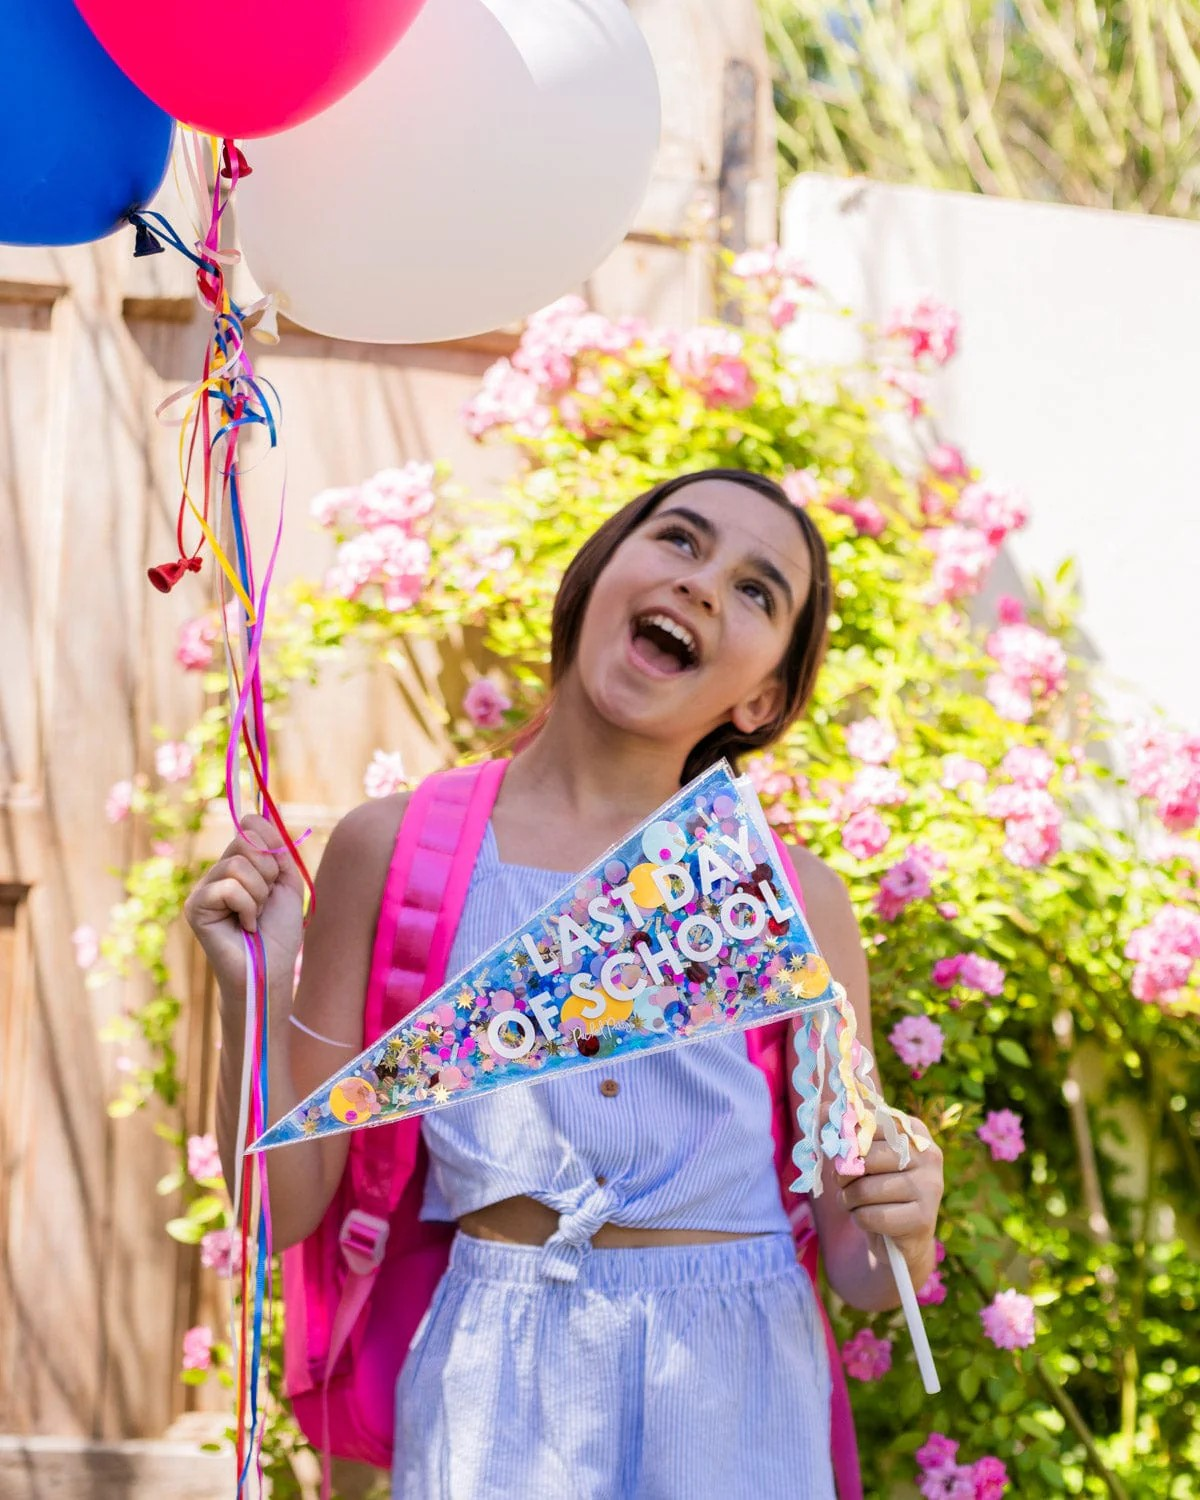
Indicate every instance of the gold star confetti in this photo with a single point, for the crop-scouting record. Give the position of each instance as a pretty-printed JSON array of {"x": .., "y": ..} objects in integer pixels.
[
  {"x": 771, "y": 996},
  {"x": 465, "y": 999},
  {"x": 441, "y": 1093}
]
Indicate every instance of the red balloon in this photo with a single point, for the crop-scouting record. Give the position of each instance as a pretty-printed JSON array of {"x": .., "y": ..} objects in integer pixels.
[{"x": 250, "y": 70}]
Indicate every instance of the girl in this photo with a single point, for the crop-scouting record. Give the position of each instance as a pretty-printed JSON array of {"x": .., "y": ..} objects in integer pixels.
[{"x": 623, "y": 1317}]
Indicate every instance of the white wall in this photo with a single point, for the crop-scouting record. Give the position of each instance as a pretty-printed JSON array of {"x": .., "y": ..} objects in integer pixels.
[{"x": 1078, "y": 380}]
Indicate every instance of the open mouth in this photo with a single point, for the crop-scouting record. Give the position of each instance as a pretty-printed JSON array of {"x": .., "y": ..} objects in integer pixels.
[{"x": 663, "y": 645}]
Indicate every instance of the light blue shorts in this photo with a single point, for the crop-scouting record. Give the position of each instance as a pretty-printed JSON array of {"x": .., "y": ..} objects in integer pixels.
[{"x": 693, "y": 1372}]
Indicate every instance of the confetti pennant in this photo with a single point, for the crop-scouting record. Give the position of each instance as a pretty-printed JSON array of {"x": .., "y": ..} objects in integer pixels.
[{"x": 684, "y": 930}]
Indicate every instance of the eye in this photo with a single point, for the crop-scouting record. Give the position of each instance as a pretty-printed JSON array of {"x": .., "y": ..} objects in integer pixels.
[
  {"x": 766, "y": 597},
  {"x": 676, "y": 534}
]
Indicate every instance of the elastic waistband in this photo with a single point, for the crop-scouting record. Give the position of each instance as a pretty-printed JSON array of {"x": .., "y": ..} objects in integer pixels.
[{"x": 642, "y": 1268}]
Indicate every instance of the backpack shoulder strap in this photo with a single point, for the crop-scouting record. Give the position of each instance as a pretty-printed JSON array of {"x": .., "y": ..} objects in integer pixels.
[
  {"x": 772, "y": 1055},
  {"x": 435, "y": 851},
  {"x": 434, "y": 854}
]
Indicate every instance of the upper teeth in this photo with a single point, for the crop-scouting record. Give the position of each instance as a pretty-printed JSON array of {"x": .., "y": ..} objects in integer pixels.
[{"x": 672, "y": 627}]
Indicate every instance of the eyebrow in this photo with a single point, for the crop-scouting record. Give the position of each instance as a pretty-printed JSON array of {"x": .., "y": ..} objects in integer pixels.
[{"x": 761, "y": 565}]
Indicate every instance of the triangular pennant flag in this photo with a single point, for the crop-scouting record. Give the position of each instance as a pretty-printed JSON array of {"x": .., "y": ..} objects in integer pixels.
[{"x": 685, "y": 929}]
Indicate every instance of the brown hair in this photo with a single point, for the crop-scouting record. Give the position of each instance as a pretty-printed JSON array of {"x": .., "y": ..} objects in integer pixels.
[{"x": 801, "y": 661}]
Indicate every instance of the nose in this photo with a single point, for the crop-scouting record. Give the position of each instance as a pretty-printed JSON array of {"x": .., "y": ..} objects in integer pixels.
[{"x": 700, "y": 589}]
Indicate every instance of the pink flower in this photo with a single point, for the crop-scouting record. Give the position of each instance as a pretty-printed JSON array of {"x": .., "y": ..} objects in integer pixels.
[
  {"x": 1165, "y": 953},
  {"x": 197, "y": 1348},
  {"x": 947, "y": 462},
  {"x": 221, "y": 1251},
  {"x": 982, "y": 974},
  {"x": 1001, "y": 1134},
  {"x": 1033, "y": 670},
  {"x": 754, "y": 265},
  {"x": 507, "y": 398},
  {"x": 937, "y": 1454},
  {"x": 396, "y": 497},
  {"x": 971, "y": 971},
  {"x": 175, "y": 761},
  {"x": 710, "y": 360},
  {"x": 385, "y": 774},
  {"x": 991, "y": 1478},
  {"x": 871, "y": 740},
  {"x": 907, "y": 881},
  {"x": 203, "y": 1158},
  {"x": 86, "y": 942},
  {"x": 387, "y": 556},
  {"x": 771, "y": 265},
  {"x": 927, "y": 326},
  {"x": 331, "y": 508},
  {"x": 948, "y": 1484},
  {"x": 485, "y": 704},
  {"x": 782, "y": 310},
  {"x": 194, "y": 647},
  {"x": 867, "y": 1357},
  {"x": 801, "y": 487},
  {"x": 1032, "y": 823},
  {"x": 1026, "y": 765},
  {"x": 868, "y": 519},
  {"x": 947, "y": 970},
  {"x": 993, "y": 509},
  {"x": 947, "y": 910},
  {"x": 910, "y": 384},
  {"x": 1010, "y": 611},
  {"x": 962, "y": 557},
  {"x": 119, "y": 801},
  {"x": 873, "y": 786},
  {"x": 932, "y": 1292},
  {"x": 767, "y": 776},
  {"x": 1165, "y": 765},
  {"x": 957, "y": 769},
  {"x": 918, "y": 1043},
  {"x": 729, "y": 383},
  {"x": 865, "y": 834},
  {"x": 1008, "y": 1320}
]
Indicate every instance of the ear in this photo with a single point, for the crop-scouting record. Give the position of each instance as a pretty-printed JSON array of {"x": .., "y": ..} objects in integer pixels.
[{"x": 759, "y": 709}]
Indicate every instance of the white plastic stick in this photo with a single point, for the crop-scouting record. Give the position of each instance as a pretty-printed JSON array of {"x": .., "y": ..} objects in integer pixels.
[{"x": 912, "y": 1316}]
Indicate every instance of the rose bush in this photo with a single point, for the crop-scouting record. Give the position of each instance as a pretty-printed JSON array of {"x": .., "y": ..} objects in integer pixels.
[{"x": 1030, "y": 908}]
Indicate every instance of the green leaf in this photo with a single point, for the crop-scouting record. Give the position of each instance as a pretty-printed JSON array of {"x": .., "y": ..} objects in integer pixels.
[
  {"x": 969, "y": 1379},
  {"x": 1013, "y": 1052},
  {"x": 186, "y": 1231}
]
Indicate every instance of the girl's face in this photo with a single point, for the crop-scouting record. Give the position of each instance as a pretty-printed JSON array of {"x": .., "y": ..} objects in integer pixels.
[{"x": 687, "y": 625}]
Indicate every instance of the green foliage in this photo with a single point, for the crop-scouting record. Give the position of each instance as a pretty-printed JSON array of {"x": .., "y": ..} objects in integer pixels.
[
  {"x": 1096, "y": 1219},
  {"x": 1095, "y": 103}
]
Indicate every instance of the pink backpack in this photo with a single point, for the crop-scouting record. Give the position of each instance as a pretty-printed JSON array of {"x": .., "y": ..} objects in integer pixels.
[{"x": 357, "y": 1287}]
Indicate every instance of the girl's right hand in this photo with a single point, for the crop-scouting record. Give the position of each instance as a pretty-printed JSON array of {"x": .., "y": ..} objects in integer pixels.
[{"x": 249, "y": 890}]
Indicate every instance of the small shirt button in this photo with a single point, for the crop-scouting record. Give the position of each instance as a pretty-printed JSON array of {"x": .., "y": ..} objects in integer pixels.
[
  {"x": 610, "y": 1088},
  {"x": 601, "y": 1179}
]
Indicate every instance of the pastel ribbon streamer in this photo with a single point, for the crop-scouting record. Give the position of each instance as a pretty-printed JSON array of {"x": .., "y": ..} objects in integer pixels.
[{"x": 857, "y": 1113}]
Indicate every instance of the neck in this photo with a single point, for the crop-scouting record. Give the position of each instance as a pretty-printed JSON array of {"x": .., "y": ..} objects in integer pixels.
[{"x": 585, "y": 771}]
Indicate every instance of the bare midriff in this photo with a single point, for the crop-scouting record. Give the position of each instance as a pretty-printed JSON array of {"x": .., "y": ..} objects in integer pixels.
[{"x": 525, "y": 1221}]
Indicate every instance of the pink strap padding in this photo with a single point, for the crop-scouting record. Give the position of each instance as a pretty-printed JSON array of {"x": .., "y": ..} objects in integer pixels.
[
  {"x": 776, "y": 1062},
  {"x": 427, "y": 886}
]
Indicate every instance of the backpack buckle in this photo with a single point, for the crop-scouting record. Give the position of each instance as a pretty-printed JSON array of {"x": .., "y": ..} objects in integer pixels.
[{"x": 363, "y": 1239}]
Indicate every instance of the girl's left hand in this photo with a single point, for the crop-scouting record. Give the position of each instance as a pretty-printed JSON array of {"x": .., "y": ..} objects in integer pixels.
[{"x": 902, "y": 1204}]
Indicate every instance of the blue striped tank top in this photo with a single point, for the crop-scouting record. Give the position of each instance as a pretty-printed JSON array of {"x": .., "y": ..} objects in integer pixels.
[{"x": 677, "y": 1139}]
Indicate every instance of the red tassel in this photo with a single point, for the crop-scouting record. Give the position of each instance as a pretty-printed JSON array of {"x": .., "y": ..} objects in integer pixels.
[
  {"x": 229, "y": 157},
  {"x": 167, "y": 575}
]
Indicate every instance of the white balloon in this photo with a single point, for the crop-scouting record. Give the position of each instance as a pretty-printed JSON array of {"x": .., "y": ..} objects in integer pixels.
[{"x": 487, "y": 166}]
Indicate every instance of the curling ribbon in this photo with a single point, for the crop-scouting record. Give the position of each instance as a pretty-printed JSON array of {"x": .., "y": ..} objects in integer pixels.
[
  {"x": 857, "y": 1112},
  {"x": 227, "y": 399}
]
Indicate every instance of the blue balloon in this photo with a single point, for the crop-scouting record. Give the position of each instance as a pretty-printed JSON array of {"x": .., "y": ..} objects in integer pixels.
[{"x": 81, "y": 146}]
